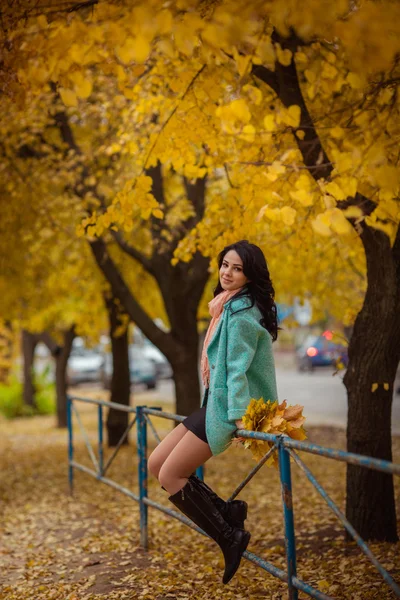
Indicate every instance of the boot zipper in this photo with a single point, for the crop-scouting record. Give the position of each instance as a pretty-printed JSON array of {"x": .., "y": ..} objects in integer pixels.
[{"x": 191, "y": 487}]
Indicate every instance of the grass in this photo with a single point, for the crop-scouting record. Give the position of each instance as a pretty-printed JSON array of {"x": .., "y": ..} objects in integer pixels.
[{"x": 12, "y": 402}]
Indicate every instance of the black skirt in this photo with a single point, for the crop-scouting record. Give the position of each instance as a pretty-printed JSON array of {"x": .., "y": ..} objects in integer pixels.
[{"x": 196, "y": 422}]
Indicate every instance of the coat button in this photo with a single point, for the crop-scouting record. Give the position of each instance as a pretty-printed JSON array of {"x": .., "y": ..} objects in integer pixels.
[{"x": 213, "y": 366}]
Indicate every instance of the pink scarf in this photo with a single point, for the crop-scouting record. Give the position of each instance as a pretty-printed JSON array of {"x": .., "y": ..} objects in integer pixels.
[{"x": 215, "y": 307}]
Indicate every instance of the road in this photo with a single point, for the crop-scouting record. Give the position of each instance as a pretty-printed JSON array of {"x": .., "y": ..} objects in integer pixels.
[{"x": 322, "y": 395}]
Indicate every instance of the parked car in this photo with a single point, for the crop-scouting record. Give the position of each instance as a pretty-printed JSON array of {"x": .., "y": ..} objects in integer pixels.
[
  {"x": 83, "y": 365},
  {"x": 163, "y": 367},
  {"x": 320, "y": 351},
  {"x": 142, "y": 370}
]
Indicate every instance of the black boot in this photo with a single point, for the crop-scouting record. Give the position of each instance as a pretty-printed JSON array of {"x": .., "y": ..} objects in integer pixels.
[
  {"x": 196, "y": 504},
  {"x": 233, "y": 511}
]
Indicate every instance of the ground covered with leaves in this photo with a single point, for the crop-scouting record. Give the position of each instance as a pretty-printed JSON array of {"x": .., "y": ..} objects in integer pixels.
[{"x": 86, "y": 547}]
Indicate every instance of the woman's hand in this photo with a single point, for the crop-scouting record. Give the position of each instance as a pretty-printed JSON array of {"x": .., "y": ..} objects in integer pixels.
[{"x": 239, "y": 424}]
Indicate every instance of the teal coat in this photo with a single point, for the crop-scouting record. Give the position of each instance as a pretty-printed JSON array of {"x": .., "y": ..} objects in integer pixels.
[{"x": 241, "y": 367}]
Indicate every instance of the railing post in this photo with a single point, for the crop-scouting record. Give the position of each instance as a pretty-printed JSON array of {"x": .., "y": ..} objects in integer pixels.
[
  {"x": 290, "y": 544},
  {"x": 70, "y": 446},
  {"x": 200, "y": 472},
  {"x": 142, "y": 472},
  {"x": 100, "y": 426}
]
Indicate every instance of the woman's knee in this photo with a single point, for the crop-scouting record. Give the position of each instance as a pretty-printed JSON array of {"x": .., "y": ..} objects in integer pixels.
[
  {"x": 167, "y": 476},
  {"x": 154, "y": 463}
]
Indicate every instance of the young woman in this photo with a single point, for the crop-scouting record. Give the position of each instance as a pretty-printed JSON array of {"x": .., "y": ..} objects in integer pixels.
[{"x": 237, "y": 364}]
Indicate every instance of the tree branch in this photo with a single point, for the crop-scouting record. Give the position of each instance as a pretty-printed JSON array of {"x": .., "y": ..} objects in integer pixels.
[
  {"x": 196, "y": 195},
  {"x": 173, "y": 112},
  {"x": 131, "y": 251},
  {"x": 157, "y": 190},
  {"x": 159, "y": 338},
  {"x": 267, "y": 76},
  {"x": 314, "y": 156}
]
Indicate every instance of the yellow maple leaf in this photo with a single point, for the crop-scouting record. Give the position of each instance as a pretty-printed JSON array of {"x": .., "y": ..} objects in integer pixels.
[
  {"x": 274, "y": 170},
  {"x": 335, "y": 191},
  {"x": 283, "y": 56},
  {"x": 68, "y": 97},
  {"x": 269, "y": 122},
  {"x": 134, "y": 49},
  {"x": 303, "y": 196},
  {"x": 248, "y": 133},
  {"x": 293, "y": 412},
  {"x": 240, "y": 110},
  {"x": 84, "y": 89},
  {"x": 243, "y": 63},
  {"x": 353, "y": 212},
  {"x": 320, "y": 227},
  {"x": 292, "y": 115},
  {"x": 288, "y": 215},
  {"x": 323, "y": 585},
  {"x": 337, "y": 132},
  {"x": 355, "y": 81},
  {"x": 339, "y": 223},
  {"x": 253, "y": 93}
]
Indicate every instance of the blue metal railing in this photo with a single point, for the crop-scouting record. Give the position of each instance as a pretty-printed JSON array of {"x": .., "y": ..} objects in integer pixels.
[{"x": 281, "y": 444}]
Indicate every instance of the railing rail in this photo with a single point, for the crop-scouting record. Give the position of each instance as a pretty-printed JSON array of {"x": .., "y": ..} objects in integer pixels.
[{"x": 282, "y": 444}]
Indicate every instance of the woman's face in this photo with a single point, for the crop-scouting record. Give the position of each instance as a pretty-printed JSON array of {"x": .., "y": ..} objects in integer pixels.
[{"x": 231, "y": 274}]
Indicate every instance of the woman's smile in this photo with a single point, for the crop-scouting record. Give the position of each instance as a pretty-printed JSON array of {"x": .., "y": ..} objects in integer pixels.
[{"x": 231, "y": 273}]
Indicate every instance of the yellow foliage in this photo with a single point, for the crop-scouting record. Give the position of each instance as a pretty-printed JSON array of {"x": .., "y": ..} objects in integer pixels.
[
  {"x": 321, "y": 227},
  {"x": 303, "y": 196},
  {"x": 134, "y": 49},
  {"x": 292, "y": 116},
  {"x": 288, "y": 215},
  {"x": 269, "y": 122},
  {"x": 272, "y": 418},
  {"x": 283, "y": 56},
  {"x": 68, "y": 97},
  {"x": 175, "y": 84}
]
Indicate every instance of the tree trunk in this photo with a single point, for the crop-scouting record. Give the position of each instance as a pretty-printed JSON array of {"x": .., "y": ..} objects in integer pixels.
[
  {"x": 374, "y": 354},
  {"x": 186, "y": 378},
  {"x": 182, "y": 287},
  {"x": 29, "y": 343},
  {"x": 374, "y": 350},
  {"x": 61, "y": 384},
  {"x": 117, "y": 421}
]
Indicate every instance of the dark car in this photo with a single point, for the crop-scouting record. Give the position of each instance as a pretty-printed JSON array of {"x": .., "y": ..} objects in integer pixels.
[{"x": 320, "y": 351}]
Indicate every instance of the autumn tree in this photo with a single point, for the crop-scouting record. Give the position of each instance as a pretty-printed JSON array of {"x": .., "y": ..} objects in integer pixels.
[{"x": 288, "y": 118}]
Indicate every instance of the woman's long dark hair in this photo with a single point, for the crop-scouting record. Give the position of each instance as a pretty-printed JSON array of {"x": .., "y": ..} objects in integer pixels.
[{"x": 259, "y": 288}]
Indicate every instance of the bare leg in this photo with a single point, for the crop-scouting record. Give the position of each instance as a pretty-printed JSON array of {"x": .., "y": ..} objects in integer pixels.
[
  {"x": 164, "y": 448},
  {"x": 186, "y": 456}
]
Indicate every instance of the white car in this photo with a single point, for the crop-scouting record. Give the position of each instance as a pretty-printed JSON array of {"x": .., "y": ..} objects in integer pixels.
[
  {"x": 163, "y": 367},
  {"x": 142, "y": 370},
  {"x": 84, "y": 365}
]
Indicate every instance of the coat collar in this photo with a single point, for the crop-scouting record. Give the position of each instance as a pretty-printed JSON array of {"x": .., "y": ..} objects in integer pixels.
[{"x": 234, "y": 304}]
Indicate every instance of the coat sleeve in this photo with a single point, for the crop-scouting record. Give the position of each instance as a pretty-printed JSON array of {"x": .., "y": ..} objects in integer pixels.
[{"x": 242, "y": 345}]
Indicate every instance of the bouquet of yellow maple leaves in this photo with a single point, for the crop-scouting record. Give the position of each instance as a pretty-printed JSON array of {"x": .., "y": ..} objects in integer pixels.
[{"x": 274, "y": 418}]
